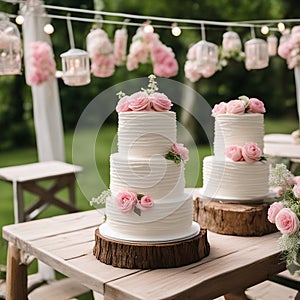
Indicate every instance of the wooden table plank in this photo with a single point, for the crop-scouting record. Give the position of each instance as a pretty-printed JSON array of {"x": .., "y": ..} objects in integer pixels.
[{"x": 208, "y": 278}]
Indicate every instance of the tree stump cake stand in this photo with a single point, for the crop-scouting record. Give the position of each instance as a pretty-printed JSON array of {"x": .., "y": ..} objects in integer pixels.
[
  {"x": 233, "y": 218},
  {"x": 151, "y": 256}
]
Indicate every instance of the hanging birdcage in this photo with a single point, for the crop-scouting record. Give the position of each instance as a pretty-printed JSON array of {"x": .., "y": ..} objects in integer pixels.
[
  {"x": 207, "y": 58},
  {"x": 231, "y": 42},
  {"x": 75, "y": 67},
  {"x": 10, "y": 49},
  {"x": 256, "y": 51}
]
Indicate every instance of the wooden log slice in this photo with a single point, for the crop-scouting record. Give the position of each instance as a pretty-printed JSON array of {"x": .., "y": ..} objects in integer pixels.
[
  {"x": 151, "y": 256},
  {"x": 233, "y": 218}
]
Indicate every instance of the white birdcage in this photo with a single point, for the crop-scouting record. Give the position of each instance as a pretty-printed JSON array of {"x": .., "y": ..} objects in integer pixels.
[
  {"x": 231, "y": 42},
  {"x": 207, "y": 58},
  {"x": 75, "y": 67},
  {"x": 10, "y": 49},
  {"x": 256, "y": 51}
]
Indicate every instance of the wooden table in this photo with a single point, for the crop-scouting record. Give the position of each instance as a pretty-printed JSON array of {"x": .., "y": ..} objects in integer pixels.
[
  {"x": 66, "y": 242},
  {"x": 28, "y": 178}
]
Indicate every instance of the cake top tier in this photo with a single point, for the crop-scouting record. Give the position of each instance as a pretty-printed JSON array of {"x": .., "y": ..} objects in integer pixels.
[
  {"x": 239, "y": 106},
  {"x": 145, "y": 100}
]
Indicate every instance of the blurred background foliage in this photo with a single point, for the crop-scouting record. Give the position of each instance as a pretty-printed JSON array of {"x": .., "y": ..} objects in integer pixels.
[{"x": 274, "y": 85}]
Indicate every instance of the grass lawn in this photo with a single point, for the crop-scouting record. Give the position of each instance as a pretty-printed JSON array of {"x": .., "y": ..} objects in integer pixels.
[{"x": 91, "y": 182}]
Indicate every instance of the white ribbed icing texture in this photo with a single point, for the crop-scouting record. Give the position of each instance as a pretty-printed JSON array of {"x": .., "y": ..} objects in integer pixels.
[
  {"x": 225, "y": 179},
  {"x": 154, "y": 176},
  {"x": 231, "y": 129},
  {"x": 146, "y": 133},
  {"x": 167, "y": 220}
]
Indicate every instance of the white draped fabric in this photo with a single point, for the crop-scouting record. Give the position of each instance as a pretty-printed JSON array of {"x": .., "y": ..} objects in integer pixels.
[
  {"x": 297, "y": 82},
  {"x": 46, "y": 102}
]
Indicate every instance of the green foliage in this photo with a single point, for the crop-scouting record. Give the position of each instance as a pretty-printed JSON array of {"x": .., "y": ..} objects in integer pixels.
[{"x": 274, "y": 85}]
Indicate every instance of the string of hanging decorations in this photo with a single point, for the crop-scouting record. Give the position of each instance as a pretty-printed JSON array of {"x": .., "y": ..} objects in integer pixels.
[{"x": 204, "y": 58}]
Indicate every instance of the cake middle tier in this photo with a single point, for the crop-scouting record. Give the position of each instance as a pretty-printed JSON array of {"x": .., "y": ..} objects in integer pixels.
[
  {"x": 146, "y": 133},
  {"x": 154, "y": 176},
  {"x": 233, "y": 129}
]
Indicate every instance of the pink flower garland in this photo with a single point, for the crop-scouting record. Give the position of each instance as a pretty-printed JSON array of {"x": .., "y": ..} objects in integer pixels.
[
  {"x": 289, "y": 47},
  {"x": 41, "y": 63},
  {"x": 100, "y": 50},
  {"x": 120, "y": 45},
  {"x": 146, "y": 47}
]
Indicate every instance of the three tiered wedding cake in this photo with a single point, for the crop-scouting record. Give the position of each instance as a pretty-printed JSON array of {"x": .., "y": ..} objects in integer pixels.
[{"x": 147, "y": 202}]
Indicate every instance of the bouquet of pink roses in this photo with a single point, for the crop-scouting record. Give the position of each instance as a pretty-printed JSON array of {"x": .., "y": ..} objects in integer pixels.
[{"x": 286, "y": 214}]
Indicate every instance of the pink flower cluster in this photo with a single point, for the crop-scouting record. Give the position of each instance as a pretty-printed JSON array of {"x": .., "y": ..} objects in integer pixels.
[
  {"x": 289, "y": 47},
  {"x": 284, "y": 218},
  {"x": 41, "y": 63},
  {"x": 129, "y": 201},
  {"x": 182, "y": 151},
  {"x": 249, "y": 153},
  {"x": 146, "y": 47},
  {"x": 141, "y": 101},
  {"x": 252, "y": 105},
  {"x": 191, "y": 68},
  {"x": 100, "y": 50},
  {"x": 120, "y": 45}
]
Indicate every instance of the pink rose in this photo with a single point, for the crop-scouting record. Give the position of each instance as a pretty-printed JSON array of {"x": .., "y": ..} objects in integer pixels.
[
  {"x": 287, "y": 221},
  {"x": 278, "y": 190},
  {"x": 159, "y": 52},
  {"x": 139, "y": 101},
  {"x": 284, "y": 49},
  {"x": 295, "y": 180},
  {"x": 166, "y": 68},
  {"x": 160, "y": 102},
  {"x": 273, "y": 210},
  {"x": 123, "y": 104},
  {"x": 234, "y": 153},
  {"x": 256, "y": 106},
  {"x": 145, "y": 203},
  {"x": 235, "y": 107},
  {"x": 251, "y": 152},
  {"x": 181, "y": 150},
  {"x": 220, "y": 108},
  {"x": 127, "y": 201},
  {"x": 208, "y": 71},
  {"x": 296, "y": 190}
]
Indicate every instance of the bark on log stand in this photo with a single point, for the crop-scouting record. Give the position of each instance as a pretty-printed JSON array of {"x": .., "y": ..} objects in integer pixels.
[
  {"x": 151, "y": 256},
  {"x": 233, "y": 218}
]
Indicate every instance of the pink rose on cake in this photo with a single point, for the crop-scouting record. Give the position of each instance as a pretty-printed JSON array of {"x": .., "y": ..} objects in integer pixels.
[
  {"x": 160, "y": 102},
  {"x": 287, "y": 221},
  {"x": 273, "y": 210},
  {"x": 251, "y": 152},
  {"x": 220, "y": 108},
  {"x": 127, "y": 201},
  {"x": 256, "y": 106},
  {"x": 144, "y": 203},
  {"x": 123, "y": 104},
  {"x": 234, "y": 153},
  {"x": 181, "y": 150},
  {"x": 235, "y": 107},
  {"x": 139, "y": 101}
]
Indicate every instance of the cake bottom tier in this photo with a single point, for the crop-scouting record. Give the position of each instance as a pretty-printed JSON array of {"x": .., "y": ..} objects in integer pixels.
[
  {"x": 235, "y": 181},
  {"x": 168, "y": 220}
]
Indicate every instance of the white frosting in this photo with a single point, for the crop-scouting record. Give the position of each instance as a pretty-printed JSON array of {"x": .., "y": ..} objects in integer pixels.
[
  {"x": 154, "y": 176},
  {"x": 146, "y": 133},
  {"x": 225, "y": 179},
  {"x": 169, "y": 219},
  {"x": 139, "y": 166},
  {"x": 231, "y": 129}
]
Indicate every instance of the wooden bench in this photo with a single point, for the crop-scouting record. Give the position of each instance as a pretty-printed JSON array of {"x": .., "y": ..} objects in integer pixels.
[{"x": 28, "y": 178}]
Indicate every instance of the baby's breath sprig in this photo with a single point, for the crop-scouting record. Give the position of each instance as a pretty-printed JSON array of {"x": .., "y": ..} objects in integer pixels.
[
  {"x": 152, "y": 86},
  {"x": 121, "y": 94},
  {"x": 99, "y": 202}
]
